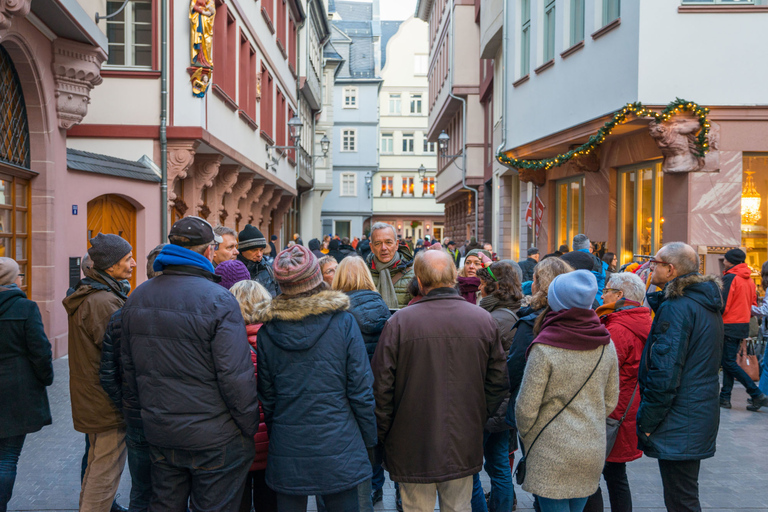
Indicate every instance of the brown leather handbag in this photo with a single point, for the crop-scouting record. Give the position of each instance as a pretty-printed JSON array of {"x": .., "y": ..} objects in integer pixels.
[{"x": 747, "y": 360}]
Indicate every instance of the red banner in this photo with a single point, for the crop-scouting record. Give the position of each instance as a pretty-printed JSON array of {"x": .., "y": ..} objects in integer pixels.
[{"x": 539, "y": 213}]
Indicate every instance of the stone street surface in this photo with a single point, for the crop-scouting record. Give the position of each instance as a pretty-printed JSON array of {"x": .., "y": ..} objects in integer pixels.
[{"x": 735, "y": 479}]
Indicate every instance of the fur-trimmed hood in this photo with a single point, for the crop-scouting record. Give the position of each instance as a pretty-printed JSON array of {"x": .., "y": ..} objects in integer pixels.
[{"x": 703, "y": 289}]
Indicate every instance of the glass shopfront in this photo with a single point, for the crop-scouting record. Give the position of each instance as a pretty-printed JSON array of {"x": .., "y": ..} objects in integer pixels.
[
  {"x": 570, "y": 210},
  {"x": 754, "y": 210},
  {"x": 640, "y": 220}
]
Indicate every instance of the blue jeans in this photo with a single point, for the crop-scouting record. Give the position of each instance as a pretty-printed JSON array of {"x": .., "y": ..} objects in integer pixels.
[
  {"x": 732, "y": 370},
  {"x": 377, "y": 479},
  {"x": 140, "y": 465},
  {"x": 571, "y": 505},
  {"x": 345, "y": 501},
  {"x": 763, "y": 385},
  {"x": 496, "y": 450},
  {"x": 10, "y": 449},
  {"x": 211, "y": 479}
]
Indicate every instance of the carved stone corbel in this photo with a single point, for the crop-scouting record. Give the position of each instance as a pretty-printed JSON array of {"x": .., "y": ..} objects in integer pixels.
[
  {"x": 269, "y": 207},
  {"x": 181, "y": 156},
  {"x": 76, "y": 70},
  {"x": 538, "y": 178},
  {"x": 260, "y": 206},
  {"x": 222, "y": 185},
  {"x": 232, "y": 199},
  {"x": 676, "y": 139},
  {"x": 12, "y": 8},
  {"x": 282, "y": 208},
  {"x": 245, "y": 206},
  {"x": 204, "y": 171}
]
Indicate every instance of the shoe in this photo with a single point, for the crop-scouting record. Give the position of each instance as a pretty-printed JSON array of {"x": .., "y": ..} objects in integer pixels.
[
  {"x": 398, "y": 501},
  {"x": 514, "y": 504},
  {"x": 725, "y": 404},
  {"x": 760, "y": 401},
  {"x": 377, "y": 496},
  {"x": 116, "y": 507},
  {"x": 488, "y": 499}
]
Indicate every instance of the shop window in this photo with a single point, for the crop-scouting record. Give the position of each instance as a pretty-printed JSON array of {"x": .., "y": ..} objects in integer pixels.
[
  {"x": 640, "y": 220},
  {"x": 569, "y": 202},
  {"x": 130, "y": 34},
  {"x": 14, "y": 223},
  {"x": 386, "y": 186},
  {"x": 754, "y": 210},
  {"x": 408, "y": 186},
  {"x": 429, "y": 186}
]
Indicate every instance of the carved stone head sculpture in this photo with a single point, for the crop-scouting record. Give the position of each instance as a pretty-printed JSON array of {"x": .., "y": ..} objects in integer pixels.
[{"x": 676, "y": 139}]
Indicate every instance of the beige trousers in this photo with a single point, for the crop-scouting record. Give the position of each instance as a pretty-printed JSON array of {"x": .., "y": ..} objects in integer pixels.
[
  {"x": 106, "y": 460},
  {"x": 454, "y": 496}
]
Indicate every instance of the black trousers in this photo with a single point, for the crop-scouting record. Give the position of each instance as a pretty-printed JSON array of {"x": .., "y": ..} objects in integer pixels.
[
  {"x": 257, "y": 495},
  {"x": 615, "y": 474},
  {"x": 681, "y": 484}
]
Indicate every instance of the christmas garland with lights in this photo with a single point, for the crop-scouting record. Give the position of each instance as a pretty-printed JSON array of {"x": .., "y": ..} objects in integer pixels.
[{"x": 676, "y": 107}]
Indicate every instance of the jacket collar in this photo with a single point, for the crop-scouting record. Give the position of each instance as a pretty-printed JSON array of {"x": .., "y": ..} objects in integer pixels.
[
  {"x": 190, "y": 270},
  {"x": 441, "y": 294},
  {"x": 294, "y": 309}
]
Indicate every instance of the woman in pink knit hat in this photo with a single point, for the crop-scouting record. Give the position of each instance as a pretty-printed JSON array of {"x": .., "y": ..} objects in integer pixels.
[{"x": 315, "y": 386}]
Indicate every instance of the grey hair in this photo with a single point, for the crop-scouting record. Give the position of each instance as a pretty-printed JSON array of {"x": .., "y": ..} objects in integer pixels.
[
  {"x": 581, "y": 241},
  {"x": 682, "y": 257},
  {"x": 630, "y": 284},
  {"x": 383, "y": 225},
  {"x": 151, "y": 261},
  {"x": 224, "y": 230}
]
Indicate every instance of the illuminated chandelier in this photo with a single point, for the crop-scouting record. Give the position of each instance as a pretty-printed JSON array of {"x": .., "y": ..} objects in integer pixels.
[{"x": 750, "y": 202}]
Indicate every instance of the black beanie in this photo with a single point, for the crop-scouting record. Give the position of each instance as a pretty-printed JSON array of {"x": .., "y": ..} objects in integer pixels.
[
  {"x": 736, "y": 256},
  {"x": 579, "y": 260},
  {"x": 106, "y": 250},
  {"x": 251, "y": 238}
]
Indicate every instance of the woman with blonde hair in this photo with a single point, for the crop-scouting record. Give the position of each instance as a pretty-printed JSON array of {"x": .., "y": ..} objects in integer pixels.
[
  {"x": 371, "y": 313},
  {"x": 252, "y": 296}
]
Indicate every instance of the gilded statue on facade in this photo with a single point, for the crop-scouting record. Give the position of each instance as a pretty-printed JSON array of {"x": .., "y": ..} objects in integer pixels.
[{"x": 201, "y": 16}]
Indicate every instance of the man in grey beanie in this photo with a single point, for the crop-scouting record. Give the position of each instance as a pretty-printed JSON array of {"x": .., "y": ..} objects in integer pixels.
[{"x": 96, "y": 297}]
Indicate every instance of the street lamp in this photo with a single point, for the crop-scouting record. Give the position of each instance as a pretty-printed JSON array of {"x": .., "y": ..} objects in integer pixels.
[
  {"x": 325, "y": 144},
  {"x": 294, "y": 129},
  {"x": 442, "y": 142},
  {"x": 422, "y": 172},
  {"x": 295, "y": 125}
]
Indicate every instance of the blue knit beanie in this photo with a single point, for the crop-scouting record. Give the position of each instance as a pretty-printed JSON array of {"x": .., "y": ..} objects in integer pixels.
[{"x": 575, "y": 289}]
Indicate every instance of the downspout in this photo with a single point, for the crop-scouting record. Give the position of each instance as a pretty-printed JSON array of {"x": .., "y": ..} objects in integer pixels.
[
  {"x": 464, "y": 117},
  {"x": 505, "y": 45},
  {"x": 163, "y": 121}
]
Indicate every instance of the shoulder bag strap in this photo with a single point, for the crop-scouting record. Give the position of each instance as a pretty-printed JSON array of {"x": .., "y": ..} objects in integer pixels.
[
  {"x": 511, "y": 313},
  {"x": 566, "y": 405},
  {"x": 253, "y": 349},
  {"x": 630, "y": 404}
]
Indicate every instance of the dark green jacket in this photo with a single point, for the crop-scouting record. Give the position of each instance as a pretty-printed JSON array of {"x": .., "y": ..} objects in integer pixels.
[{"x": 401, "y": 274}]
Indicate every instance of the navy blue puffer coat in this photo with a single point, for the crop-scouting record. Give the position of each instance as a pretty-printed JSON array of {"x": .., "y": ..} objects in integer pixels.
[
  {"x": 371, "y": 313},
  {"x": 315, "y": 385},
  {"x": 679, "y": 371}
]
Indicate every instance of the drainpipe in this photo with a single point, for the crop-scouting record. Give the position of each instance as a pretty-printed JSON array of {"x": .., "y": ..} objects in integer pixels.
[
  {"x": 163, "y": 121},
  {"x": 505, "y": 59},
  {"x": 464, "y": 114}
]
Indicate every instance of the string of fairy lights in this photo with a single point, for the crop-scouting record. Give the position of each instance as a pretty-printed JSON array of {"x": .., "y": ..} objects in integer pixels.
[{"x": 620, "y": 117}]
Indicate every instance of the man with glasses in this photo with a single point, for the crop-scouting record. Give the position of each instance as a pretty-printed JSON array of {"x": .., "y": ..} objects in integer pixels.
[{"x": 679, "y": 416}]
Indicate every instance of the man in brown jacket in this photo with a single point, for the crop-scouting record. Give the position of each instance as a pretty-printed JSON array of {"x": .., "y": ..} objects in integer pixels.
[
  {"x": 439, "y": 373},
  {"x": 90, "y": 307}
]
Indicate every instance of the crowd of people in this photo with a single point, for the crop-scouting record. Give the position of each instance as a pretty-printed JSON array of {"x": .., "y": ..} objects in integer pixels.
[{"x": 240, "y": 378}]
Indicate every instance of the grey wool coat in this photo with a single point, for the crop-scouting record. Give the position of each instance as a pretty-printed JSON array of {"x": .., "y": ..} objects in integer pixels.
[{"x": 567, "y": 460}]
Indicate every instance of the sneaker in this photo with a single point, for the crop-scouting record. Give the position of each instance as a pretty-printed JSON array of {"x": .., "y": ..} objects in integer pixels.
[
  {"x": 725, "y": 404},
  {"x": 758, "y": 402},
  {"x": 377, "y": 496},
  {"x": 116, "y": 507}
]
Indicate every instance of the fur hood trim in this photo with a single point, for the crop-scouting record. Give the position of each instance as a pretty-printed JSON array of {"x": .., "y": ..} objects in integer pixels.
[
  {"x": 676, "y": 288},
  {"x": 294, "y": 309}
]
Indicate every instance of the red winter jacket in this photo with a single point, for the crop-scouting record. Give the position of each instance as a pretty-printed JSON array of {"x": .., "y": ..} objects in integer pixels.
[
  {"x": 261, "y": 439},
  {"x": 629, "y": 330},
  {"x": 739, "y": 295}
]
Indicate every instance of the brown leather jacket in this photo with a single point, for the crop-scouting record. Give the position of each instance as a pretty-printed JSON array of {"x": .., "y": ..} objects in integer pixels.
[
  {"x": 89, "y": 309},
  {"x": 439, "y": 373}
]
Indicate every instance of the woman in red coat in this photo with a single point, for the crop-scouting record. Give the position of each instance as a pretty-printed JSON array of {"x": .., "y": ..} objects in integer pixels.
[
  {"x": 629, "y": 324},
  {"x": 256, "y": 494}
]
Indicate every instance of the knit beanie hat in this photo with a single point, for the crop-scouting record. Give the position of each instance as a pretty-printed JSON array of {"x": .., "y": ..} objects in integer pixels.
[
  {"x": 476, "y": 253},
  {"x": 579, "y": 260},
  {"x": 296, "y": 270},
  {"x": 250, "y": 238},
  {"x": 9, "y": 271},
  {"x": 106, "y": 250},
  {"x": 575, "y": 289},
  {"x": 231, "y": 272},
  {"x": 736, "y": 256}
]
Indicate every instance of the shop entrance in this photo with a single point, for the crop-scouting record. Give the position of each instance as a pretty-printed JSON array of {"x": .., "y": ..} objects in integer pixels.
[{"x": 111, "y": 214}]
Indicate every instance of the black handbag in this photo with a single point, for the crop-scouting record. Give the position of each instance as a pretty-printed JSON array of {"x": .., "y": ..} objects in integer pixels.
[
  {"x": 520, "y": 469},
  {"x": 612, "y": 426}
]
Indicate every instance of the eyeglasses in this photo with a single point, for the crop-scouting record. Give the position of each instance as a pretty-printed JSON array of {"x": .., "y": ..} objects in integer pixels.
[
  {"x": 653, "y": 263},
  {"x": 329, "y": 272},
  {"x": 611, "y": 290}
]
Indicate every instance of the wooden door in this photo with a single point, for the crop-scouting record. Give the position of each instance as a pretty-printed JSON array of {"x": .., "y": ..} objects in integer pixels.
[{"x": 114, "y": 215}]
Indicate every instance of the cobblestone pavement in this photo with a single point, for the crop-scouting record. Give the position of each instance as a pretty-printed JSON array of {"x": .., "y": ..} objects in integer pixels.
[{"x": 735, "y": 479}]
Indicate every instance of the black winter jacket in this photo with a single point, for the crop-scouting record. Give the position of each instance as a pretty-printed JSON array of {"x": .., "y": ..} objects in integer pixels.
[
  {"x": 26, "y": 367},
  {"x": 262, "y": 273},
  {"x": 371, "y": 313},
  {"x": 186, "y": 360},
  {"x": 527, "y": 266},
  {"x": 516, "y": 357},
  {"x": 111, "y": 373},
  {"x": 679, "y": 369}
]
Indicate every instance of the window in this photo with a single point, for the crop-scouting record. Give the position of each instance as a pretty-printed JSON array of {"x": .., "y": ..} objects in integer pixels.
[
  {"x": 640, "y": 219},
  {"x": 349, "y": 184},
  {"x": 569, "y": 204},
  {"x": 130, "y": 34},
  {"x": 387, "y": 143},
  {"x": 407, "y": 143},
  {"x": 577, "y": 21},
  {"x": 429, "y": 147},
  {"x": 525, "y": 37},
  {"x": 549, "y": 30},
  {"x": 225, "y": 50},
  {"x": 408, "y": 186},
  {"x": 280, "y": 122},
  {"x": 292, "y": 41},
  {"x": 281, "y": 26},
  {"x": 349, "y": 140},
  {"x": 612, "y": 10},
  {"x": 14, "y": 223},
  {"x": 428, "y": 186},
  {"x": 386, "y": 185},
  {"x": 394, "y": 103},
  {"x": 420, "y": 65},
  {"x": 415, "y": 103},
  {"x": 709, "y": 2},
  {"x": 247, "y": 99},
  {"x": 350, "y": 97},
  {"x": 266, "y": 102},
  {"x": 754, "y": 209}
]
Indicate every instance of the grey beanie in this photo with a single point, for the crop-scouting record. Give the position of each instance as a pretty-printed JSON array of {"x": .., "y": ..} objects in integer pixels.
[
  {"x": 106, "y": 250},
  {"x": 575, "y": 289},
  {"x": 9, "y": 271}
]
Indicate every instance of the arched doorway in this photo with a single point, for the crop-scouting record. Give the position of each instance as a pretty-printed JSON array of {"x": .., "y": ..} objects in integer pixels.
[{"x": 113, "y": 214}]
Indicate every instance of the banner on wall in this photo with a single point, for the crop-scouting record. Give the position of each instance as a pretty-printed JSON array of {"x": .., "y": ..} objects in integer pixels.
[{"x": 539, "y": 213}]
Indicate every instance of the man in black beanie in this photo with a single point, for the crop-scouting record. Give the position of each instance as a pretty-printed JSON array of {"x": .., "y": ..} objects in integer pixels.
[
  {"x": 102, "y": 292},
  {"x": 251, "y": 246}
]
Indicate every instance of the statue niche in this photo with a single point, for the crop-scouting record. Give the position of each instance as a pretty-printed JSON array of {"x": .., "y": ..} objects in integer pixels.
[{"x": 202, "y": 14}]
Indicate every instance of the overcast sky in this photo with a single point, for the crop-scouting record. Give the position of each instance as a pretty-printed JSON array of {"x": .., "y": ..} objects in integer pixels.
[{"x": 395, "y": 9}]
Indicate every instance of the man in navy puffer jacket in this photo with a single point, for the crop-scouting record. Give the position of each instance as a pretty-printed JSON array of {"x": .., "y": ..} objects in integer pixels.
[{"x": 186, "y": 359}]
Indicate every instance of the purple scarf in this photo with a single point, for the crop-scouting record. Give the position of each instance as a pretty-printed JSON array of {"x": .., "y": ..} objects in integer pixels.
[
  {"x": 468, "y": 287},
  {"x": 572, "y": 329}
]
